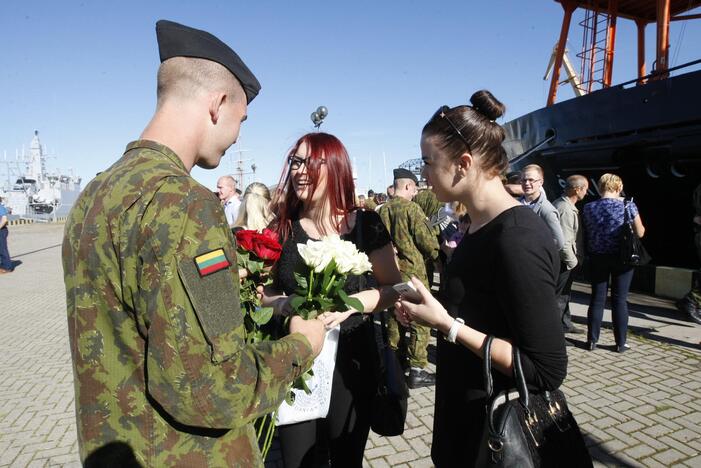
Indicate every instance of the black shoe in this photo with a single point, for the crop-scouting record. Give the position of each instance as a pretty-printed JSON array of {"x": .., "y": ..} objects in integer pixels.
[
  {"x": 576, "y": 330},
  {"x": 685, "y": 306},
  {"x": 591, "y": 346},
  {"x": 695, "y": 316},
  {"x": 420, "y": 378},
  {"x": 568, "y": 343},
  {"x": 622, "y": 348},
  {"x": 688, "y": 308}
]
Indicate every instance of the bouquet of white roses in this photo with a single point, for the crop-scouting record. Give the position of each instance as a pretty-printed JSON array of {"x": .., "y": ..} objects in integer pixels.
[{"x": 329, "y": 262}]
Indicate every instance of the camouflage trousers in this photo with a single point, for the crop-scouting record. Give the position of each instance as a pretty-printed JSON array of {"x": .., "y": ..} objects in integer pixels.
[{"x": 416, "y": 349}]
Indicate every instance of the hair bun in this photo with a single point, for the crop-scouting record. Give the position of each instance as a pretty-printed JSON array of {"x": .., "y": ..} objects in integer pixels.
[{"x": 486, "y": 104}]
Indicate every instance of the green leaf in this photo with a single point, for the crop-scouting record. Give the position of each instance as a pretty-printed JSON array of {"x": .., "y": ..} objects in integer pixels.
[
  {"x": 352, "y": 302},
  {"x": 328, "y": 273},
  {"x": 297, "y": 301},
  {"x": 325, "y": 303},
  {"x": 302, "y": 281},
  {"x": 254, "y": 266},
  {"x": 262, "y": 316}
]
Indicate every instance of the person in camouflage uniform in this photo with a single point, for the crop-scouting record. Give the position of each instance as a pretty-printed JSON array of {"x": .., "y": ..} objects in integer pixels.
[
  {"x": 690, "y": 304},
  {"x": 370, "y": 203},
  {"x": 431, "y": 207},
  {"x": 415, "y": 244},
  {"x": 163, "y": 373}
]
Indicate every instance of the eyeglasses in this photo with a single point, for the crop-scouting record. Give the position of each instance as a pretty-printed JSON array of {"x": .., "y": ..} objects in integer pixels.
[
  {"x": 295, "y": 162},
  {"x": 531, "y": 181},
  {"x": 441, "y": 112}
]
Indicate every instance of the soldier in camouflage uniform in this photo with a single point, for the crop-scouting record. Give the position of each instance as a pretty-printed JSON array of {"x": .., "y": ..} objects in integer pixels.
[
  {"x": 163, "y": 374},
  {"x": 370, "y": 201},
  {"x": 415, "y": 244}
]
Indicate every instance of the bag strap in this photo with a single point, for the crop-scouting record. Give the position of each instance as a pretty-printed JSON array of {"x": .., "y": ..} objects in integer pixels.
[
  {"x": 487, "y": 367},
  {"x": 519, "y": 377}
]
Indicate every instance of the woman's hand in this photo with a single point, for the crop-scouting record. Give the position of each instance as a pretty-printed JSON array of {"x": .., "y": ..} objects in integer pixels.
[
  {"x": 428, "y": 312},
  {"x": 331, "y": 319}
]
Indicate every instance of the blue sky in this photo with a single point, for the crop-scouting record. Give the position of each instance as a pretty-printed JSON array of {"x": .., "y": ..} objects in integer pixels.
[{"x": 83, "y": 73}]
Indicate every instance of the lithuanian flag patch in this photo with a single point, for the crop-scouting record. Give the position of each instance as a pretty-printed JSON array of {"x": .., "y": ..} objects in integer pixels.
[{"x": 211, "y": 262}]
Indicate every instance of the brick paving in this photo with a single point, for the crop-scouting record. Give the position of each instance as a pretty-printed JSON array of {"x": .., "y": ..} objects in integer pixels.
[{"x": 640, "y": 408}]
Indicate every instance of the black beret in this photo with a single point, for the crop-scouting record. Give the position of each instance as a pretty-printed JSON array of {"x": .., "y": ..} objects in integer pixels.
[
  {"x": 178, "y": 40},
  {"x": 401, "y": 173}
]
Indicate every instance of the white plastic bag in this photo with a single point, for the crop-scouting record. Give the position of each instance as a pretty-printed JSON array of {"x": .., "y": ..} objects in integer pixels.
[{"x": 314, "y": 405}]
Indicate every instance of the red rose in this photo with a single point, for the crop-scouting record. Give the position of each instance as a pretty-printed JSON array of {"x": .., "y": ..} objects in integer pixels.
[
  {"x": 266, "y": 248},
  {"x": 271, "y": 234},
  {"x": 245, "y": 239}
]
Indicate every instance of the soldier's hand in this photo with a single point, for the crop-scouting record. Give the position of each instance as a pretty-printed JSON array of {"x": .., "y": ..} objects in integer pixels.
[{"x": 313, "y": 330}]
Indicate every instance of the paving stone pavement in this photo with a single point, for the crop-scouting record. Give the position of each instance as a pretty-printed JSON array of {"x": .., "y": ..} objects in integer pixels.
[{"x": 640, "y": 408}]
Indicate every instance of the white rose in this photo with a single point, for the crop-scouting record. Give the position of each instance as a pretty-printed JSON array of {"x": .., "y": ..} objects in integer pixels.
[
  {"x": 314, "y": 255},
  {"x": 362, "y": 264}
]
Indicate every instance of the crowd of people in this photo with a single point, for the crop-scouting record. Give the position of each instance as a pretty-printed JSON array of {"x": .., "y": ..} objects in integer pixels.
[{"x": 164, "y": 375}]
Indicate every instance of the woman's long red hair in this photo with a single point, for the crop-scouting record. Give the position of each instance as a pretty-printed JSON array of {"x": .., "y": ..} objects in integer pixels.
[{"x": 340, "y": 189}]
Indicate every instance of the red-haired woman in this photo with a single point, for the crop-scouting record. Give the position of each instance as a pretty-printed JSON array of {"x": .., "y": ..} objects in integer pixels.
[{"x": 315, "y": 199}]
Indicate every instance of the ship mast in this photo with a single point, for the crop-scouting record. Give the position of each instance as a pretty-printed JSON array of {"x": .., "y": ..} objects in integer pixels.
[{"x": 599, "y": 38}]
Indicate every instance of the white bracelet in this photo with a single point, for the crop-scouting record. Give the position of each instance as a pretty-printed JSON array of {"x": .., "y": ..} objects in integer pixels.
[{"x": 453, "y": 332}]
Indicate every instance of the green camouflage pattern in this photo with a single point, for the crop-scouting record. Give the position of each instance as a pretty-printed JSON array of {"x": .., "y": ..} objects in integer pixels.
[
  {"x": 429, "y": 204},
  {"x": 370, "y": 204},
  {"x": 160, "y": 361},
  {"x": 416, "y": 244},
  {"x": 412, "y": 237}
]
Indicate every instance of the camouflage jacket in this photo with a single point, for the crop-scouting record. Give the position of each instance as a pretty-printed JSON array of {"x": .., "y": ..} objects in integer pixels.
[
  {"x": 411, "y": 235},
  {"x": 162, "y": 370}
]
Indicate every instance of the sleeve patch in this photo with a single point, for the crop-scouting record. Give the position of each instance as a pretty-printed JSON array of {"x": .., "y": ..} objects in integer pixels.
[
  {"x": 214, "y": 298},
  {"x": 211, "y": 262}
]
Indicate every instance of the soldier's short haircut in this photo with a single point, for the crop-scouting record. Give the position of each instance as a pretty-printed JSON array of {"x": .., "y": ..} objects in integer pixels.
[
  {"x": 399, "y": 183},
  {"x": 186, "y": 77}
]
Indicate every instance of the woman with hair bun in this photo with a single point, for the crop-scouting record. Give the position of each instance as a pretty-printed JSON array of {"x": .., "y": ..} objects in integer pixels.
[
  {"x": 254, "y": 212},
  {"x": 500, "y": 281}
]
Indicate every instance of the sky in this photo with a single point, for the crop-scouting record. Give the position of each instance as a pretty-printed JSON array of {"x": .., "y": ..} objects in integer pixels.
[{"x": 83, "y": 73}]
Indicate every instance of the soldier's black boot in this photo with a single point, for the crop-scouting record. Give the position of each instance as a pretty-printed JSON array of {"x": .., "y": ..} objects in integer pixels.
[{"x": 420, "y": 378}]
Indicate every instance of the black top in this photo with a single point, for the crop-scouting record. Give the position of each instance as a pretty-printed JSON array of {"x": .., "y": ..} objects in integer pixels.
[
  {"x": 372, "y": 236},
  {"x": 501, "y": 281}
]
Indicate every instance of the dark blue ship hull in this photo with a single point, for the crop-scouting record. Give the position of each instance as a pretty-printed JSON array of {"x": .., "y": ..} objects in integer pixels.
[{"x": 650, "y": 135}]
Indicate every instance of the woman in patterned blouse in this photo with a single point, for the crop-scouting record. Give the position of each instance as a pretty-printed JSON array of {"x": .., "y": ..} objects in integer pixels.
[{"x": 603, "y": 221}]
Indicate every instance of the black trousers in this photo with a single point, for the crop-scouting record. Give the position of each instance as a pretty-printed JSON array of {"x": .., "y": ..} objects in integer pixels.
[{"x": 340, "y": 437}]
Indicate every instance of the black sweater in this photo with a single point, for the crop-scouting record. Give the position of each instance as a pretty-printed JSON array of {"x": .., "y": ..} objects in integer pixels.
[{"x": 501, "y": 281}]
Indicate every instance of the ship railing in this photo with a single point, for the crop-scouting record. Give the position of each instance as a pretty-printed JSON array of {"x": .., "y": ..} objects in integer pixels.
[
  {"x": 550, "y": 136},
  {"x": 655, "y": 74}
]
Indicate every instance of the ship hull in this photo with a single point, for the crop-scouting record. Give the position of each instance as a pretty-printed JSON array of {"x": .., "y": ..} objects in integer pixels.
[{"x": 649, "y": 135}]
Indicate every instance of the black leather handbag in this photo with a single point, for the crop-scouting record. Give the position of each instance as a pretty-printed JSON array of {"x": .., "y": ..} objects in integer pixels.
[
  {"x": 389, "y": 404},
  {"x": 633, "y": 252},
  {"x": 525, "y": 429}
]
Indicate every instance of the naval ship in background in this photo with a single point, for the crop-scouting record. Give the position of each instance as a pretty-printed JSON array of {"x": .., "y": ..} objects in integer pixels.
[
  {"x": 30, "y": 191},
  {"x": 646, "y": 130}
]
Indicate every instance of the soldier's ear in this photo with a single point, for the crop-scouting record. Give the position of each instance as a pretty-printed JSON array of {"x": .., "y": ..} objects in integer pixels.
[{"x": 216, "y": 103}]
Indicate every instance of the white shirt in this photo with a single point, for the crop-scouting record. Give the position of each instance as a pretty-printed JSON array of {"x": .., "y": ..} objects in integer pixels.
[{"x": 231, "y": 210}]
